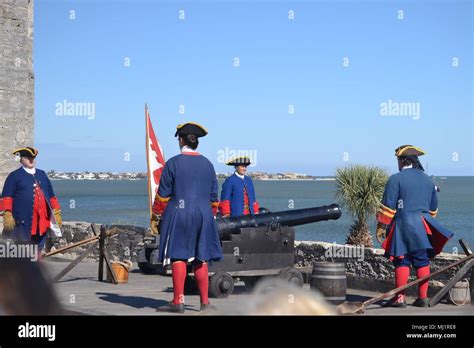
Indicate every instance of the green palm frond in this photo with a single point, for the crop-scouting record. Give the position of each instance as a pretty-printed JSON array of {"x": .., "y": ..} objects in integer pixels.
[{"x": 360, "y": 189}]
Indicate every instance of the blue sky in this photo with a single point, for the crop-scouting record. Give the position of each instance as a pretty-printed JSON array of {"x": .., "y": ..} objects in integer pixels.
[{"x": 337, "y": 109}]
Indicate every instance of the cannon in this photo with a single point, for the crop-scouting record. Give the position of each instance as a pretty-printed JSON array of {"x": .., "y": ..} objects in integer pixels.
[
  {"x": 233, "y": 225},
  {"x": 254, "y": 246}
]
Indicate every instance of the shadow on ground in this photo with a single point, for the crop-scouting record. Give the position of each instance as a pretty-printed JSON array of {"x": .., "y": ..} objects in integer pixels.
[
  {"x": 134, "y": 301},
  {"x": 72, "y": 279},
  {"x": 361, "y": 298}
]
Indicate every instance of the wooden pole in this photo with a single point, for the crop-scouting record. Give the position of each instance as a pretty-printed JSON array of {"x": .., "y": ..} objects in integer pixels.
[
  {"x": 82, "y": 242},
  {"x": 74, "y": 263},
  {"x": 101, "y": 253},
  {"x": 147, "y": 135},
  {"x": 457, "y": 277},
  {"x": 61, "y": 250},
  {"x": 449, "y": 285}
]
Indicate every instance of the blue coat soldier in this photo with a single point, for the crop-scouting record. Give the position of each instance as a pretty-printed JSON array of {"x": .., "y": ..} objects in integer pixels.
[
  {"x": 187, "y": 202},
  {"x": 29, "y": 201},
  {"x": 407, "y": 213},
  {"x": 238, "y": 193}
]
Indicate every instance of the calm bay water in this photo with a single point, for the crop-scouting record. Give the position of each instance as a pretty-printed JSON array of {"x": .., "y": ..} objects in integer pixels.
[{"x": 125, "y": 202}]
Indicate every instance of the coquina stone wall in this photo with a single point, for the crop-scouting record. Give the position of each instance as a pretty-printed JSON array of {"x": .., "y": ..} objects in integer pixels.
[
  {"x": 368, "y": 268},
  {"x": 16, "y": 81}
]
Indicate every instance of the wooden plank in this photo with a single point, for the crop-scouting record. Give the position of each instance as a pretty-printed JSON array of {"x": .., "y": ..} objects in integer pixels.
[
  {"x": 101, "y": 253},
  {"x": 109, "y": 266},
  {"x": 459, "y": 274},
  {"x": 94, "y": 229},
  {"x": 106, "y": 255},
  {"x": 468, "y": 251},
  {"x": 74, "y": 263},
  {"x": 71, "y": 246},
  {"x": 465, "y": 246}
]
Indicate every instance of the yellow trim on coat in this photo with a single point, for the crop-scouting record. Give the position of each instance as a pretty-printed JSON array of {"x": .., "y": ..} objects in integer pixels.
[
  {"x": 390, "y": 210},
  {"x": 162, "y": 199},
  {"x": 434, "y": 213},
  {"x": 383, "y": 212}
]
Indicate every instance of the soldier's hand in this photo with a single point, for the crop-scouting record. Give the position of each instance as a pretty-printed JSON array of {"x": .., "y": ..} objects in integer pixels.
[
  {"x": 8, "y": 221},
  {"x": 154, "y": 221},
  {"x": 381, "y": 233},
  {"x": 58, "y": 217}
]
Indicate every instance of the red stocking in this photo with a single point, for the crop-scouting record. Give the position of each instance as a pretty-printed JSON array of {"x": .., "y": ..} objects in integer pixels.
[
  {"x": 401, "y": 278},
  {"x": 202, "y": 281},
  {"x": 178, "y": 269},
  {"x": 423, "y": 287}
]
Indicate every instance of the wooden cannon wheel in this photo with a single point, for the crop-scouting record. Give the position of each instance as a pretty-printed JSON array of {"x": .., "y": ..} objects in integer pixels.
[{"x": 221, "y": 285}]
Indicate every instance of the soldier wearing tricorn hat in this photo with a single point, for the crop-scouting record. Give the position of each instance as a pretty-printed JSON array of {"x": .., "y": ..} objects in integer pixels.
[
  {"x": 186, "y": 203},
  {"x": 406, "y": 222},
  {"x": 29, "y": 203},
  {"x": 238, "y": 193}
]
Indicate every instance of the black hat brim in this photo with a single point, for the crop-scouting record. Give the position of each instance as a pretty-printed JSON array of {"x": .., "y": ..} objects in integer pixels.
[
  {"x": 190, "y": 128},
  {"x": 26, "y": 152}
]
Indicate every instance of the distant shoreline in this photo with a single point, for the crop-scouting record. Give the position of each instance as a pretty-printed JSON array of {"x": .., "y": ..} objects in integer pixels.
[
  {"x": 254, "y": 179},
  {"x": 143, "y": 179}
]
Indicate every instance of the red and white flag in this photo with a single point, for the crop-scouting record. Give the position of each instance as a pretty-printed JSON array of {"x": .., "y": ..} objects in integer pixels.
[{"x": 155, "y": 160}]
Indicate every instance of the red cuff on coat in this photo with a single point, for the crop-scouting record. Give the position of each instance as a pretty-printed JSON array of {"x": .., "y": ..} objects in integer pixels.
[
  {"x": 6, "y": 203},
  {"x": 384, "y": 219},
  {"x": 160, "y": 203},
  {"x": 224, "y": 207},
  {"x": 54, "y": 203},
  {"x": 159, "y": 207},
  {"x": 256, "y": 207}
]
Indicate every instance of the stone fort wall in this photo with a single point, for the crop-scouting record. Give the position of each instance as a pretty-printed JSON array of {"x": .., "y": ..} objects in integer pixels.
[{"x": 16, "y": 81}]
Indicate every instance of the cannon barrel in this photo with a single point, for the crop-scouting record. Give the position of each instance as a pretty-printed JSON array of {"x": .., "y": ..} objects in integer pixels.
[{"x": 296, "y": 217}]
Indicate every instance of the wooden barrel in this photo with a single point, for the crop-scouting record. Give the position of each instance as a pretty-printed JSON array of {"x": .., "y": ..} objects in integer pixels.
[{"x": 329, "y": 278}]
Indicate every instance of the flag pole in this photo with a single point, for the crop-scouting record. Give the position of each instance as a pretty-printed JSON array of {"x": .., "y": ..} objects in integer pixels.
[{"x": 147, "y": 139}]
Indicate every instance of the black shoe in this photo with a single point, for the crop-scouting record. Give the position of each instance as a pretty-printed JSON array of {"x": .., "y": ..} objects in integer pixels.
[
  {"x": 207, "y": 307},
  {"x": 421, "y": 302},
  {"x": 171, "y": 308},
  {"x": 395, "y": 304}
]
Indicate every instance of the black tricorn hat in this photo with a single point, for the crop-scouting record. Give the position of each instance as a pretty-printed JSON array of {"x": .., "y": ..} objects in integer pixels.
[
  {"x": 408, "y": 150},
  {"x": 239, "y": 161},
  {"x": 25, "y": 152},
  {"x": 190, "y": 128}
]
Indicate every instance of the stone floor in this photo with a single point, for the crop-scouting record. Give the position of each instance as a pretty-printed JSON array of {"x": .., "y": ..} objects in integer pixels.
[{"x": 80, "y": 291}]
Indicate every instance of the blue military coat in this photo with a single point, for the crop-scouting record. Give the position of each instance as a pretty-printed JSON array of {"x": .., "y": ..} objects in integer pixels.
[
  {"x": 409, "y": 207},
  {"x": 188, "y": 230},
  {"x": 19, "y": 186},
  {"x": 233, "y": 192}
]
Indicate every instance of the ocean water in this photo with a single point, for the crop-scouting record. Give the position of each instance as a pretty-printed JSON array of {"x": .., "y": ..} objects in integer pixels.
[{"x": 125, "y": 202}]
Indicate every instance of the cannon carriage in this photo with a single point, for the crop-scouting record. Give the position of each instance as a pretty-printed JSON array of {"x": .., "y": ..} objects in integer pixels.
[{"x": 254, "y": 246}]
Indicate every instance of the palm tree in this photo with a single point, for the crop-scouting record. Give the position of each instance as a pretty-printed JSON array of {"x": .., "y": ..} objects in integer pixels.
[{"x": 360, "y": 189}]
